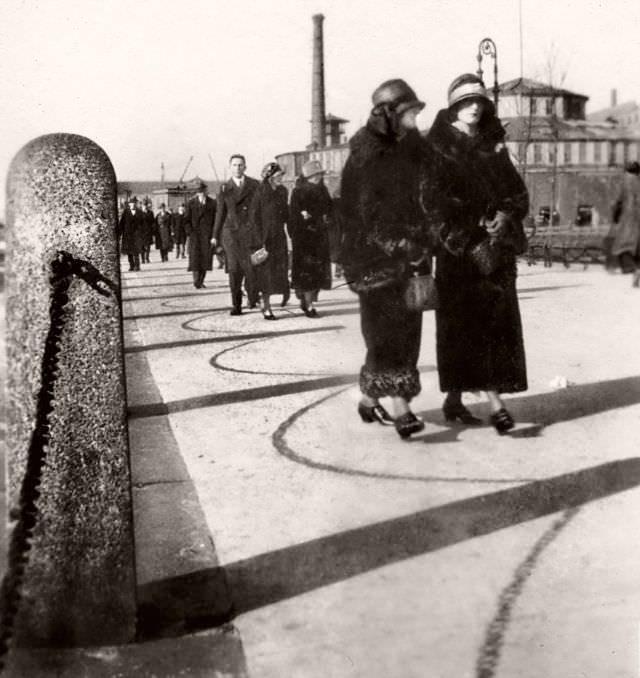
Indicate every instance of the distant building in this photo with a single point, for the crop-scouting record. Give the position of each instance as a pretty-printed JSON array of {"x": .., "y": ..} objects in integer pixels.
[{"x": 572, "y": 163}]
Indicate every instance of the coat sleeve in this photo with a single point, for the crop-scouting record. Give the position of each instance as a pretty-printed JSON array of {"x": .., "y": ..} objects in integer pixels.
[
  {"x": 221, "y": 214},
  {"x": 256, "y": 226}
]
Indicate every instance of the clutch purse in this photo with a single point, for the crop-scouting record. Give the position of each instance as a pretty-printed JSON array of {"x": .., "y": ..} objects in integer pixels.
[
  {"x": 421, "y": 293},
  {"x": 259, "y": 256}
]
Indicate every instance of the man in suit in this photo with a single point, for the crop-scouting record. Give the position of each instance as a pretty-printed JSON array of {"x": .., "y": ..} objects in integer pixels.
[
  {"x": 149, "y": 229},
  {"x": 199, "y": 221},
  {"x": 131, "y": 232},
  {"x": 233, "y": 233}
]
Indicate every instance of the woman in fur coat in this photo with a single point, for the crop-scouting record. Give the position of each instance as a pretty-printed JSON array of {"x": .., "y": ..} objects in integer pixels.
[
  {"x": 310, "y": 214},
  {"x": 267, "y": 218},
  {"x": 475, "y": 201},
  {"x": 383, "y": 240}
]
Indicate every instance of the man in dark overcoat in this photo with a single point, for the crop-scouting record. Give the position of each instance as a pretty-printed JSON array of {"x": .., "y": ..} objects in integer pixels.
[
  {"x": 200, "y": 218},
  {"x": 131, "y": 233},
  {"x": 178, "y": 232},
  {"x": 233, "y": 232},
  {"x": 149, "y": 229}
]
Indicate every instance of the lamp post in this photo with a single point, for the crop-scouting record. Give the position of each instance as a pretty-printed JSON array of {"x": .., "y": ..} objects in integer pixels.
[{"x": 488, "y": 48}]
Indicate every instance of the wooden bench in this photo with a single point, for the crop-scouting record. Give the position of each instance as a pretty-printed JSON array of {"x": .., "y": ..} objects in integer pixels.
[{"x": 567, "y": 243}]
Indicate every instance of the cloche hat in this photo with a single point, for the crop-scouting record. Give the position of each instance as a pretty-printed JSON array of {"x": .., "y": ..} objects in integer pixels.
[
  {"x": 311, "y": 168},
  {"x": 466, "y": 86},
  {"x": 397, "y": 94}
]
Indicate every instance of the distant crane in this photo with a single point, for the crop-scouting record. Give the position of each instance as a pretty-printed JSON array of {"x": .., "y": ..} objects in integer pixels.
[
  {"x": 213, "y": 167},
  {"x": 185, "y": 170}
]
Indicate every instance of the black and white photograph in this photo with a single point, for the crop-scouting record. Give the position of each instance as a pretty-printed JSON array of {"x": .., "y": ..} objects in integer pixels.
[{"x": 319, "y": 339}]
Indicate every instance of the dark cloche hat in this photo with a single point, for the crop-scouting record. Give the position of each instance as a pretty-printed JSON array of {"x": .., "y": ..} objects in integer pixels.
[{"x": 397, "y": 94}]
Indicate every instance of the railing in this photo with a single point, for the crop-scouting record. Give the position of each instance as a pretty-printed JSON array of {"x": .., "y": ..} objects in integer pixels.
[{"x": 567, "y": 243}]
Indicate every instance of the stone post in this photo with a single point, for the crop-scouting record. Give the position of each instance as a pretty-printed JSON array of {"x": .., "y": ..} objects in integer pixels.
[{"x": 79, "y": 584}]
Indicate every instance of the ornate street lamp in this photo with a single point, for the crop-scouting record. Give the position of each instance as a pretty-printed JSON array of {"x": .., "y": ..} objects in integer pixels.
[{"x": 488, "y": 48}]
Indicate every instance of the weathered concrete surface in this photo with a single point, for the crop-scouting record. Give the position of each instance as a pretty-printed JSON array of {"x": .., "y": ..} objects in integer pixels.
[
  {"x": 79, "y": 584},
  {"x": 351, "y": 553}
]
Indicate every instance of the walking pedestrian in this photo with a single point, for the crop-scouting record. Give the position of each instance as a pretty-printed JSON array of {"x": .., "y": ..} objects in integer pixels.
[
  {"x": 199, "y": 222},
  {"x": 131, "y": 232},
  {"x": 384, "y": 241},
  {"x": 149, "y": 229},
  {"x": 179, "y": 232},
  {"x": 476, "y": 201},
  {"x": 233, "y": 232},
  {"x": 164, "y": 241},
  {"x": 310, "y": 216},
  {"x": 268, "y": 217},
  {"x": 626, "y": 215}
]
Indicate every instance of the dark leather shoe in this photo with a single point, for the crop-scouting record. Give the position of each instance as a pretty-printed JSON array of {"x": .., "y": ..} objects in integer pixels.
[
  {"x": 375, "y": 413},
  {"x": 235, "y": 311},
  {"x": 502, "y": 421},
  {"x": 407, "y": 424},
  {"x": 268, "y": 315},
  {"x": 453, "y": 411},
  {"x": 311, "y": 313}
]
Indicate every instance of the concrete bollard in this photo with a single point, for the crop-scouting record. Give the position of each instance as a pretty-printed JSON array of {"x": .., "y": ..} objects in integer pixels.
[{"x": 78, "y": 587}]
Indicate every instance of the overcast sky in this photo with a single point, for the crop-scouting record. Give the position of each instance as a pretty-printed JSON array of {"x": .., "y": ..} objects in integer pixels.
[{"x": 160, "y": 80}]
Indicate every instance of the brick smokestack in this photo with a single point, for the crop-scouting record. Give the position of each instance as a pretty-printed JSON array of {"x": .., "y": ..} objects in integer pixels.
[{"x": 318, "y": 119}]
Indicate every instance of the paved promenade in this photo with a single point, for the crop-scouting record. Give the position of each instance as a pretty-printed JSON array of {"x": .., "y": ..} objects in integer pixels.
[
  {"x": 332, "y": 548},
  {"x": 347, "y": 552}
]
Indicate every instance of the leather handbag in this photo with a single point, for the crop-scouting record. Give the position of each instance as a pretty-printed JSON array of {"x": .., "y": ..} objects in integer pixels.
[
  {"x": 421, "y": 293},
  {"x": 259, "y": 256}
]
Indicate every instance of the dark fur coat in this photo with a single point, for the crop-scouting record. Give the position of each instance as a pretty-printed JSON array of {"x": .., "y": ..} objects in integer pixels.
[
  {"x": 383, "y": 222},
  {"x": 466, "y": 182}
]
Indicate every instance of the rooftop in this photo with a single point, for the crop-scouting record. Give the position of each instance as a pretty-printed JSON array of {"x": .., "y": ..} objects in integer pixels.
[{"x": 529, "y": 86}]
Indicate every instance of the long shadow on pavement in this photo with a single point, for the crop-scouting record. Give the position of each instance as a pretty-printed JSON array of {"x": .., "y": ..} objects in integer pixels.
[{"x": 282, "y": 574}]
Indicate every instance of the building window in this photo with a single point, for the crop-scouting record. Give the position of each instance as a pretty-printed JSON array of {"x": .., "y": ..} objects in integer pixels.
[
  {"x": 537, "y": 154},
  {"x": 548, "y": 103},
  {"x": 567, "y": 153},
  {"x": 612, "y": 153},
  {"x": 582, "y": 152},
  {"x": 625, "y": 153},
  {"x": 533, "y": 106},
  {"x": 597, "y": 157}
]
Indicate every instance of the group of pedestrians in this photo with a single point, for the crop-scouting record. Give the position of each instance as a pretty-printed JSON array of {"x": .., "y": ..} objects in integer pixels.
[
  {"x": 454, "y": 196},
  {"x": 139, "y": 229},
  {"x": 248, "y": 223}
]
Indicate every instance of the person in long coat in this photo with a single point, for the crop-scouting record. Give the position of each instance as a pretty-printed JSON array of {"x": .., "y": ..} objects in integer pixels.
[
  {"x": 475, "y": 201},
  {"x": 163, "y": 237},
  {"x": 149, "y": 229},
  {"x": 268, "y": 216},
  {"x": 384, "y": 242},
  {"x": 131, "y": 232},
  {"x": 626, "y": 216},
  {"x": 233, "y": 232},
  {"x": 179, "y": 232},
  {"x": 200, "y": 218},
  {"x": 310, "y": 216}
]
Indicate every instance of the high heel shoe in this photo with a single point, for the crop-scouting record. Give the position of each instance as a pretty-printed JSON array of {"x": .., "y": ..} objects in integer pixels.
[
  {"x": 502, "y": 421},
  {"x": 407, "y": 424},
  {"x": 453, "y": 411},
  {"x": 268, "y": 315},
  {"x": 375, "y": 413},
  {"x": 311, "y": 313}
]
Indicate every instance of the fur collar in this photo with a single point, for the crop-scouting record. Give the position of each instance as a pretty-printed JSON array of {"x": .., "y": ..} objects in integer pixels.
[
  {"x": 455, "y": 145},
  {"x": 367, "y": 143}
]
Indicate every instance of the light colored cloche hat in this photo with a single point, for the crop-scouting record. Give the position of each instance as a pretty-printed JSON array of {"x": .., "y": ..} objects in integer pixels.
[
  {"x": 311, "y": 168},
  {"x": 466, "y": 86}
]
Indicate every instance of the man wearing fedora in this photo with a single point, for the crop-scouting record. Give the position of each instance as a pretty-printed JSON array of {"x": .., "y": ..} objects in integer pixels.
[
  {"x": 131, "y": 232},
  {"x": 232, "y": 231},
  {"x": 199, "y": 220}
]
